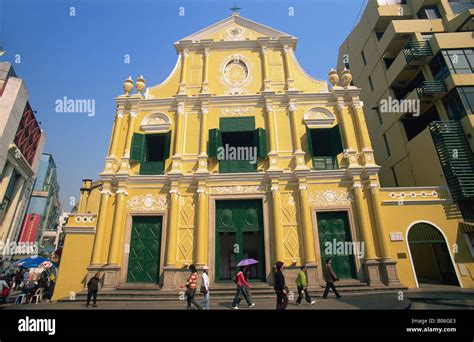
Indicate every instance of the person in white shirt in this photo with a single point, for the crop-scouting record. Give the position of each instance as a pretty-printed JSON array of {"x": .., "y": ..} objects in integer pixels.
[{"x": 205, "y": 288}]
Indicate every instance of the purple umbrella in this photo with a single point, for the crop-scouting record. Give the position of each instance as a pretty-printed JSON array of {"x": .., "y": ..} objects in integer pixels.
[{"x": 247, "y": 262}]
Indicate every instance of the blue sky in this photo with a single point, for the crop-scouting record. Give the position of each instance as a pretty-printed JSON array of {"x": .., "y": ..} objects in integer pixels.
[{"x": 82, "y": 57}]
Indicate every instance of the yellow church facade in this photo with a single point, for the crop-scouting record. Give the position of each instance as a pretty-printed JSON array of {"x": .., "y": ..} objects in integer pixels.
[{"x": 174, "y": 191}]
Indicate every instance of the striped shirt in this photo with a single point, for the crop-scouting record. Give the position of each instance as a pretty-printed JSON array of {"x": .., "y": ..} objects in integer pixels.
[{"x": 192, "y": 281}]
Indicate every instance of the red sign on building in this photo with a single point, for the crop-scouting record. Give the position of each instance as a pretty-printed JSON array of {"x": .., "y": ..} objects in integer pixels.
[{"x": 30, "y": 228}]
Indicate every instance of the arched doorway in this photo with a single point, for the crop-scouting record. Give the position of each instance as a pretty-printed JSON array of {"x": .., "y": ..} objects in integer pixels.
[{"x": 430, "y": 255}]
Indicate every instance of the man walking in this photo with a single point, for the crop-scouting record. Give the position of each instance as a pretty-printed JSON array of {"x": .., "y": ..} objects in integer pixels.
[
  {"x": 280, "y": 287},
  {"x": 302, "y": 286},
  {"x": 205, "y": 288},
  {"x": 92, "y": 289},
  {"x": 330, "y": 278}
]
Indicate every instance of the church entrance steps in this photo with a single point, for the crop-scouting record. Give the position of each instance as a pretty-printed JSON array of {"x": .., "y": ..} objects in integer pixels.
[{"x": 147, "y": 292}]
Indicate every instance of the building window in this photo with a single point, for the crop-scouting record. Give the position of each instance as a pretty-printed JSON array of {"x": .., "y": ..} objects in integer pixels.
[
  {"x": 28, "y": 134},
  {"x": 429, "y": 12},
  {"x": 151, "y": 151},
  {"x": 388, "y": 62},
  {"x": 459, "y": 6},
  {"x": 324, "y": 144},
  {"x": 386, "y": 144},
  {"x": 237, "y": 144},
  {"x": 363, "y": 57},
  {"x": 371, "y": 84},
  {"x": 400, "y": 93},
  {"x": 459, "y": 102},
  {"x": 8, "y": 195},
  {"x": 379, "y": 35},
  {"x": 415, "y": 125},
  {"x": 452, "y": 62}
]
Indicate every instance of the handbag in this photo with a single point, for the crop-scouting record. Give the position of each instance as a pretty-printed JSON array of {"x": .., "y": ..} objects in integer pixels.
[
  {"x": 5, "y": 291},
  {"x": 203, "y": 290}
]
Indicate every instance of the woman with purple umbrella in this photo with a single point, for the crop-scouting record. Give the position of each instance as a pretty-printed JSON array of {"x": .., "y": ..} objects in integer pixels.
[{"x": 243, "y": 287}]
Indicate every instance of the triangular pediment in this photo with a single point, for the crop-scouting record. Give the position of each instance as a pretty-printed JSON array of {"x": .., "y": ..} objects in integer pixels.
[{"x": 235, "y": 28}]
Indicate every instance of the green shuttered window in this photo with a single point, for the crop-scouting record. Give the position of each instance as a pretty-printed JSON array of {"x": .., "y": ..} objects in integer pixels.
[
  {"x": 324, "y": 144},
  {"x": 239, "y": 133},
  {"x": 151, "y": 151}
]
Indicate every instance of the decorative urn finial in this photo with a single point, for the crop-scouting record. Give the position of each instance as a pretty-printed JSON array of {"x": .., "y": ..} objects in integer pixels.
[
  {"x": 333, "y": 77},
  {"x": 346, "y": 77},
  {"x": 140, "y": 84},
  {"x": 128, "y": 85}
]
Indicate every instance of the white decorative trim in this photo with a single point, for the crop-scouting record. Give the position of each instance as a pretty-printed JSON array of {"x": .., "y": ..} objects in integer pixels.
[
  {"x": 238, "y": 189},
  {"x": 84, "y": 219},
  {"x": 148, "y": 202},
  {"x": 235, "y": 33},
  {"x": 317, "y": 117},
  {"x": 120, "y": 114},
  {"x": 357, "y": 104},
  {"x": 133, "y": 114},
  {"x": 122, "y": 191},
  {"x": 237, "y": 111},
  {"x": 292, "y": 106},
  {"x": 330, "y": 198},
  {"x": 235, "y": 88},
  {"x": 107, "y": 192},
  {"x": 174, "y": 191},
  {"x": 156, "y": 123},
  {"x": 275, "y": 188},
  {"x": 302, "y": 187},
  {"x": 180, "y": 108}
]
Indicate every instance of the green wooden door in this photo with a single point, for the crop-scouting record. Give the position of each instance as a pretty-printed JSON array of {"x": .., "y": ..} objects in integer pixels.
[
  {"x": 144, "y": 257},
  {"x": 239, "y": 235},
  {"x": 333, "y": 227}
]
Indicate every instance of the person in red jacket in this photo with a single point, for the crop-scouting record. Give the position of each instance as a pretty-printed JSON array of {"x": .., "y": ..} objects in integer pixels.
[
  {"x": 191, "y": 285},
  {"x": 241, "y": 285}
]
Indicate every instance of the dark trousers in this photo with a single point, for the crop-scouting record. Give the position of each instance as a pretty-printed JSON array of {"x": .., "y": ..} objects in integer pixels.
[
  {"x": 92, "y": 294},
  {"x": 241, "y": 292},
  {"x": 302, "y": 290},
  {"x": 332, "y": 287},
  {"x": 191, "y": 299},
  {"x": 282, "y": 300}
]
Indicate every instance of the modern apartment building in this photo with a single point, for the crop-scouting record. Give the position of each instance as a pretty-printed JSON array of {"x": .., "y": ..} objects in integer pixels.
[
  {"x": 414, "y": 60},
  {"x": 40, "y": 224},
  {"x": 21, "y": 144}
]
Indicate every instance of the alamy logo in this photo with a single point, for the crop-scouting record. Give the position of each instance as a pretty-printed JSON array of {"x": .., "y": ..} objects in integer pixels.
[
  {"x": 28, "y": 324},
  {"x": 228, "y": 152},
  {"x": 391, "y": 105},
  {"x": 66, "y": 105},
  {"x": 335, "y": 247}
]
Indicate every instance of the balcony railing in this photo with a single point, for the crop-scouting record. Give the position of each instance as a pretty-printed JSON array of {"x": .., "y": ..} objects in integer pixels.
[
  {"x": 429, "y": 89},
  {"x": 456, "y": 158},
  {"x": 417, "y": 51}
]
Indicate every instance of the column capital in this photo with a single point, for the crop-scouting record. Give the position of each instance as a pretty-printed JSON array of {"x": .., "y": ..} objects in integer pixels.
[
  {"x": 341, "y": 105},
  {"x": 292, "y": 106},
  {"x": 119, "y": 113},
  {"x": 180, "y": 108},
  {"x": 122, "y": 191},
  {"x": 133, "y": 114},
  {"x": 274, "y": 188},
  {"x": 174, "y": 191},
  {"x": 357, "y": 104}
]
